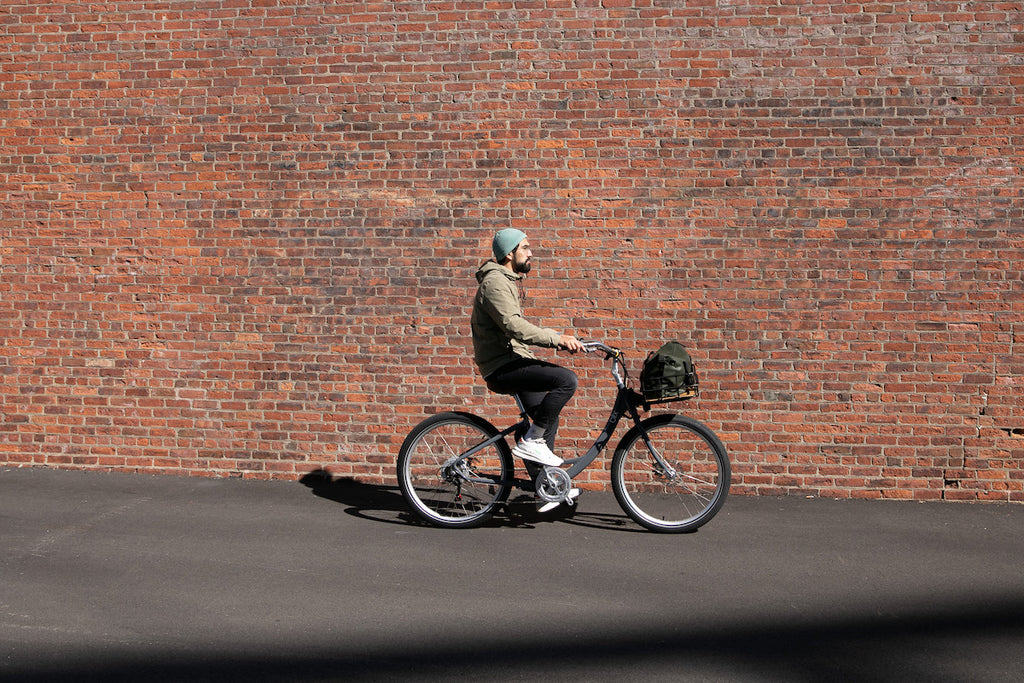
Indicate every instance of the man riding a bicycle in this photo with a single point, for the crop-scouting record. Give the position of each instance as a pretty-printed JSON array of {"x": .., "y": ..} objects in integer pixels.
[
  {"x": 501, "y": 340},
  {"x": 669, "y": 473}
]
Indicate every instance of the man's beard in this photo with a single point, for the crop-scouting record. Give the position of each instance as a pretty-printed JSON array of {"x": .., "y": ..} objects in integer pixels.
[{"x": 523, "y": 268}]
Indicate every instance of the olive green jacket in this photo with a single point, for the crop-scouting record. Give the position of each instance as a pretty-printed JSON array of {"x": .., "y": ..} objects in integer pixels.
[{"x": 500, "y": 332}]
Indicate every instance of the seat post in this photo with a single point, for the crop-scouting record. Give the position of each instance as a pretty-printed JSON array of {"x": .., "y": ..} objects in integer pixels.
[{"x": 522, "y": 408}]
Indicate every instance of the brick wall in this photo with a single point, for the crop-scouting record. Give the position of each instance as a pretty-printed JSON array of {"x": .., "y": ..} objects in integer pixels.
[{"x": 238, "y": 236}]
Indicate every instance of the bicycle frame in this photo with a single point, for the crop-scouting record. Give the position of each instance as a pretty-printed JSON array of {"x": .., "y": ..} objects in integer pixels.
[{"x": 625, "y": 404}]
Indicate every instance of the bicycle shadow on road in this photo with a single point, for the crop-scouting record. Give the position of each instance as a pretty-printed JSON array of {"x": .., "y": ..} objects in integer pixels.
[
  {"x": 521, "y": 511},
  {"x": 373, "y": 502},
  {"x": 380, "y": 503}
]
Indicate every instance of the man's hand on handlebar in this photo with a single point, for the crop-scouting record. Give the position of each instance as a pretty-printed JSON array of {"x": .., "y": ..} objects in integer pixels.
[{"x": 570, "y": 343}]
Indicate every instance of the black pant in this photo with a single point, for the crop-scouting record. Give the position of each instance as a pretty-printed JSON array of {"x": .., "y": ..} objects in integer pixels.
[{"x": 544, "y": 388}]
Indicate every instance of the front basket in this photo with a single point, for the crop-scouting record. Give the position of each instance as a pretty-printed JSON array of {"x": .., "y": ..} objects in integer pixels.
[{"x": 657, "y": 396}]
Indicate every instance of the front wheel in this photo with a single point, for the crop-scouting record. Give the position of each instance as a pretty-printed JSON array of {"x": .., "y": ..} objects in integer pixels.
[
  {"x": 445, "y": 486},
  {"x": 678, "y": 482}
]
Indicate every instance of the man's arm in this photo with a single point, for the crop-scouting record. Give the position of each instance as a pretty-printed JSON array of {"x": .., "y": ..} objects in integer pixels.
[{"x": 501, "y": 301}]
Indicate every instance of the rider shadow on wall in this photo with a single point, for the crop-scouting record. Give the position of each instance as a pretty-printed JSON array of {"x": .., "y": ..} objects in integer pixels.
[{"x": 381, "y": 503}]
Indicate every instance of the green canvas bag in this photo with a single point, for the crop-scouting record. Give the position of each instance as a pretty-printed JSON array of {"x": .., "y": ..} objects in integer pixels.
[{"x": 668, "y": 375}]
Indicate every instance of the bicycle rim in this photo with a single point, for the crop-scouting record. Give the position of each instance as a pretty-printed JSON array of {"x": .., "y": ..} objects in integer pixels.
[
  {"x": 448, "y": 490},
  {"x": 682, "y": 491}
]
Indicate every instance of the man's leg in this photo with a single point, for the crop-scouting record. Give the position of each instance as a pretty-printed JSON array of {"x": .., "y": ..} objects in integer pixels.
[
  {"x": 532, "y": 401},
  {"x": 545, "y": 388}
]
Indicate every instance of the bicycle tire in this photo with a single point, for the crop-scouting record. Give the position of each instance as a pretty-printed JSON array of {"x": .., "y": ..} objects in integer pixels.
[
  {"x": 444, "y": 490},
  {"x": 686, "y": 497}
]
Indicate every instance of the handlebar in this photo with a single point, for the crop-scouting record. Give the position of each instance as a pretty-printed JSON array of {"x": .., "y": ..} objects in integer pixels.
[
  {"x": 612, "y": 354},
  {"x": 591, "y": 345}
]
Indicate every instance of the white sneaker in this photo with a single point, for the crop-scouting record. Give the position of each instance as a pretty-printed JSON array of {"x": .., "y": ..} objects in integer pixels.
[
  {"x": 573, "y": 495},
  {"x": 537, "y": 451}
]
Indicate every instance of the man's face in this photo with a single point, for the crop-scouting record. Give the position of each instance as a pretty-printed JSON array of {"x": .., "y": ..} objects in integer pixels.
[{"x": 521, "y": 256}]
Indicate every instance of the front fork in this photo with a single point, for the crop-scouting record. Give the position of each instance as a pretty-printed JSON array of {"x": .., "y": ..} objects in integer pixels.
[{"x": 662, "y": 466}]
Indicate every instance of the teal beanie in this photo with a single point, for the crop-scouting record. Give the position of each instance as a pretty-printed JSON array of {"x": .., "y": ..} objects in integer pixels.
[{"x": 505, "y": 241}]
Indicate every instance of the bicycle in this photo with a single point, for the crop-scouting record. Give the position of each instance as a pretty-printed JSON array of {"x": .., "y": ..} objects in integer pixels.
[{"x": 670, "y": 473}]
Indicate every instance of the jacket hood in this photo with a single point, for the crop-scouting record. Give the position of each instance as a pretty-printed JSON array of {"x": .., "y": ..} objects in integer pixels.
[{"x": 489, "y": 267}]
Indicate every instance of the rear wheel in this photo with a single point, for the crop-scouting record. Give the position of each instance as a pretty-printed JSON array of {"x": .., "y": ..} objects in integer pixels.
[
  {"x": 441, "y": 485},
  {"x": 682, "y": 488}
]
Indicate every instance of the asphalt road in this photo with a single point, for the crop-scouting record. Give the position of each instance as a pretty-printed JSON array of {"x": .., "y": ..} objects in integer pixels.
[{"x": 143, "y": 578}]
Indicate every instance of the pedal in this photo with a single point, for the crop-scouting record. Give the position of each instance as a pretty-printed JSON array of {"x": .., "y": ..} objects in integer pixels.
[{"x": 547, "y": 507}]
